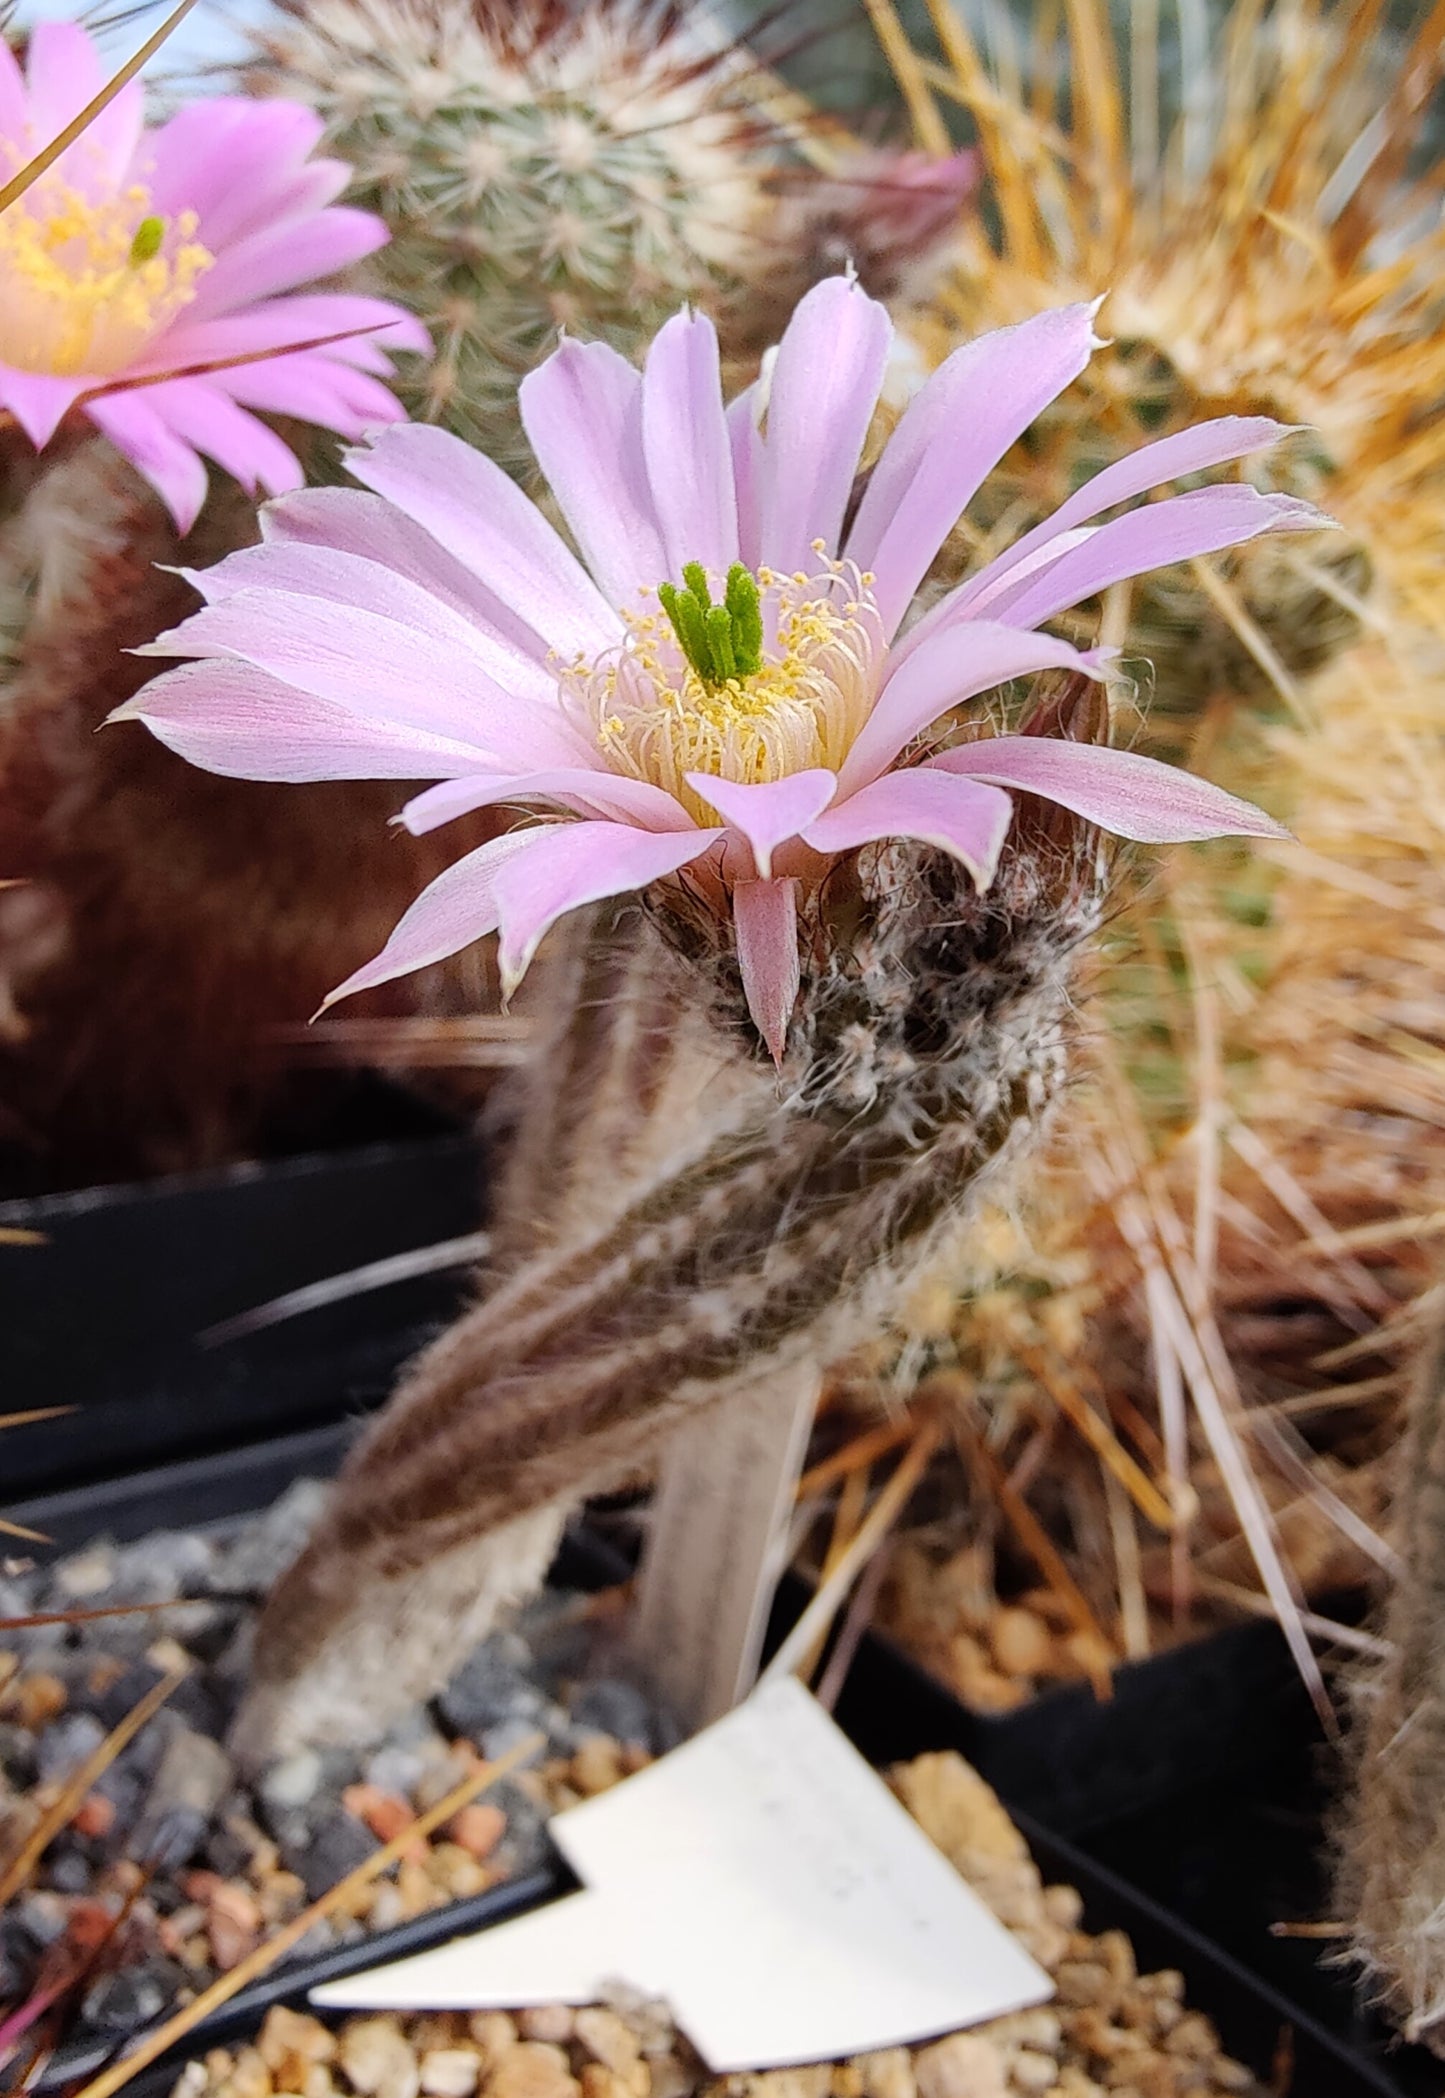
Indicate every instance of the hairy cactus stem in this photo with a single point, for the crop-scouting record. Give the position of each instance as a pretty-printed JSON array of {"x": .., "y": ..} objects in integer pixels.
[
  {"x": 1392, "y": 1836},
  {"x": 773, "y": 1225}
]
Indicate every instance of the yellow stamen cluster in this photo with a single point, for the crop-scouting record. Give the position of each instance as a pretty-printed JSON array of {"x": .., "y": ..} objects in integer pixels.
[
  {"x": 87, "y": 280},
  {"x": 656, "y": 719}
]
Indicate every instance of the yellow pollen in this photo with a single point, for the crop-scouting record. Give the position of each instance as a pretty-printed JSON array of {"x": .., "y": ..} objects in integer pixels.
[
  {"x": 88, "y": 279},
  {"x": 655, "y": 719}
]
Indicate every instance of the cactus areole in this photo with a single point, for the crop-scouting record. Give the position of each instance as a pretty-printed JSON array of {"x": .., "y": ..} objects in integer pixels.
[{"x": 725, "y": 690}]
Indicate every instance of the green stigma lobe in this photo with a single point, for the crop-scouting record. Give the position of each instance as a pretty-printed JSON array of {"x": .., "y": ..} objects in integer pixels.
[
  {"x": 148, "y": 237},
  {"x": 721, "y": 642}
]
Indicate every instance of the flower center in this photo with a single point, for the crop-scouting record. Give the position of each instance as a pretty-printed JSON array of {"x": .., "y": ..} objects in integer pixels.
[
  {"x": 86, "y": 281},
  {"x": 777, "y": 677}
]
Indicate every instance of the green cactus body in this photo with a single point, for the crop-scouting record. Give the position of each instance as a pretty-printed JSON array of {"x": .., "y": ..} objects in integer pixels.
[{"x": 538, "y": 167}]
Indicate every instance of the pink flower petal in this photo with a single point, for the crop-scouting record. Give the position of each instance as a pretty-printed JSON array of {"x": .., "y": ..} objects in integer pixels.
[
  {"x": 769, "y": 812},
  {"x": 38, "y": 401},
  {"x": 587, "y": 791},
  {"x": 765, "y": 919},
  {"x": 477, "y": 513},
  {"x": 953, "y": 433},
  {"x": 582, "y": 411},
  {"x": 316, "y": 388},
  {"x": 64, "y": 72},
  {"x": 286, "y": 253},
  {"x": 1209, "y": 444},
  {"x": 225, "y": 158},
  {"x": 379, "y": 669},
  {"x": 367, "y": 527},
  {"x": 458, "y": 907},
  {"x": 362, "y": 325},
  {"x": 231, "y": 718},
  {"x": 951, "y": 668},
  {"x": 201, "y": 416},
  {"x": 685, "y": 443},
  {"x": 570, "y": 864},
  {"x": 1133, "y": 796},
  {"x": 296, "y": 571},
  {"x": 1181, "y": 528},
  {"x": 825, "y": 386},
  {"x": 913, "y": 804},
  {"x": 14, "y": 102},
  {"x": 172, "y": 466},
  {"x": 747, "y": 449}
]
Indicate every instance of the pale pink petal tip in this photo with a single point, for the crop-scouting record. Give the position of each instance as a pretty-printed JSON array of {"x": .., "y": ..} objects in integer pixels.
[
  {"x": 1120, "y": 790},
  {"x": 765, "y": 917}
]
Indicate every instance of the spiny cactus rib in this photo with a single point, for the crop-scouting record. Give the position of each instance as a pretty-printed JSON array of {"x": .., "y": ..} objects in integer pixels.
[{"x": 929, "y": 1049}]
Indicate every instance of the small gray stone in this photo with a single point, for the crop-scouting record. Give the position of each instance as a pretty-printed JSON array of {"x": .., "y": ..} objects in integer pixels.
[
  {"x": 18, "y": 1599},
  {"x": 132, "y": 1996},
  {"x": 398, "y": 1770},
  {"x": 249, "y": 1561},
  {"x": 490, "y": 1688},
  {"x": 611, "y": 1706},
  {"x": 68, "y": 1868},
  {"x": 291, "y": 1783},
  {"x": 511, "y": 1733},
  {"x": 84, "y": 1577},
  {"x": 65, "y": 1744},
  {"x": 338, "y": 1844},
  {"x": 192, "y": 1778},
  {"x": 17, "y": 1756},
  {"x": 41, "y": 1916}
]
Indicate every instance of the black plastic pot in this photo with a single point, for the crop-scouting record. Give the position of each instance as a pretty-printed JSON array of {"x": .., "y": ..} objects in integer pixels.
[
  {"x": 107, "y": 1315},
  {"x": 890, "y": 1709}
]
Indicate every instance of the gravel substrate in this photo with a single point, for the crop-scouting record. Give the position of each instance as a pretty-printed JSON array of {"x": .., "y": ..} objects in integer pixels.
[
  {"x": 1110, "y": 2033},
  {"x": 210, "y": 1863}
]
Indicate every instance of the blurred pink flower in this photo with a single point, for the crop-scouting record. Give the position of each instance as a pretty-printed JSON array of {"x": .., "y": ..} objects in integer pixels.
[
  {"x": 141, "y": 252},
  {"x": 727, "y": 684}
]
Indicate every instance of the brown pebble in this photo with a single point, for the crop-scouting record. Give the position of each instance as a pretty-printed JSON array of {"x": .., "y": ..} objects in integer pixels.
[
  {"x": 249, "y": 2077},
  {"x": 478, "y": 1828},
  {"x": 533, "y": 2069},
  {"x": 1022, "y": 1643},
  {"x": 1032, "y": 2072},
  {"x": 233, "y": 1923},
  {"x": 962, "y": 2066},
  {"x": 1083, "y": 1981},
  {"x": 887, "y": 2073},
  {"x": 547, "y": 2021},
  {"x": 846, "y": 2081},
  {"x": 494, "y": 2033},
  {"x": 598, "y": 2082},
  {"x": 386, "y": 1814},
  {"x": 607, "y": 2038},
  {"x": 597, "y": 1766},
  {"x": 377, "y": 2060},
  {"x": 670, "y": 2079},
  {"x": 39, "y": 1699},
  {"x": 288, "y": 2032},
  {"x": 95, "y": 1815},
  {"x": 450, "y": 2072}
]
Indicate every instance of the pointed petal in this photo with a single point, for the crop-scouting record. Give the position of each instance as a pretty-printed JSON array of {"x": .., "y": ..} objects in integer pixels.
[
  {"x": 747, "y": 449},
  {"x": 949, "y": 669},
  {"x": 685, "y": 442},
  {"x": 770, "y": 812},
  {"x": 458, "y": 907},
  {"x": 38, "y": 401},
  {"x": 225, "y": 158},
  {"x": 765, "y": 918},
  {"x": 478, "y": 513},
  {"x": 231, "y": 718},
  {"x": 1130, "y": 795},
  {"x": 582, "y": 411},
  {"x": 825, "y": 386},
  {"x": 172, "y": 466},
  {"x": 378, "y": 669},
  {"x": 203, "y": 417},
  {"x": 569, "y": 864},
  {"x": 911, "y": 804},
  {"x": 294, "y": 571},
  {"x": 1192, "y": 451},
  {"x": 64, "y": 72},
  {"x": 952, "y": 434},
  {"x": 585, "y": 791},
  {"x": 371, "y": 529},
  {"x": 1181, "y": 528}
]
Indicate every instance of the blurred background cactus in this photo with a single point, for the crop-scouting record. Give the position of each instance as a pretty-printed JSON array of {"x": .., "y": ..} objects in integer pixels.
[{"x": 590, "y": 167}]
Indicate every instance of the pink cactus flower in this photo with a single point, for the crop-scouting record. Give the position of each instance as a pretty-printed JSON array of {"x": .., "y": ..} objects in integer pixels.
[
  {"x": 726, "y": 680},
  {"x": 143, "y": 252}
]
